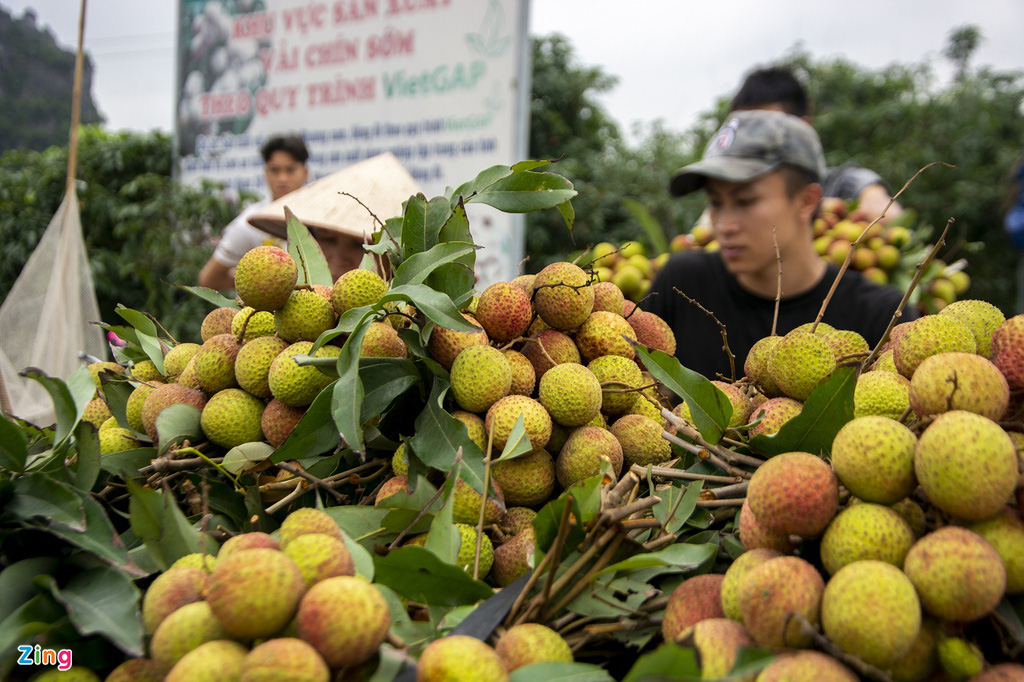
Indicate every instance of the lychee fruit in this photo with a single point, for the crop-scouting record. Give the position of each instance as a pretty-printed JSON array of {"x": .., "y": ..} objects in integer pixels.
[
  {"x": 216, "y": 322},
  {"x": 734, "y": 576},
  {"x": 165, "y": 396},
  {"x": 296, "y": 385},
  {"x": 232, "y": 417},
  {"x": 319, "y": 557},
  {"x": 959, "y": 381},
  {"x": 958, "y": 575},
  {"x": 806, "y": 666},
  {"x": 653, "y": 332},
  {"x": 512, "y": 559},
  {"x": 279, "y": 420},
  {"x": 548, "y": 348},
  {"x": 608, "y": 297},
  {"x": 799, "y": 362},
  {"x": 874, "y": 459},
  {"x": 794, "y": 493},
  {"x": 252, "y": 364},
  {"x": 183, "y": 630},
  {"x": 460, "y": 657},
  {"x": 571, "y": 394},
  {"x": 503, "y": 415},
  {"x": 756, "y": 366},
  {"x": 1005, "y": 532},
  {"x": 928, "y": 336},
  {"x": 528, "y": 643},
  {"x": 504, "y": 311},
  {"x": 773, "y": 414},
  {"x": 981, "y": 317},
  {"x": 446, "y": 344},
  {"x": 215, "y": 363},
  {"x": 256, "y": 324},
  {"x": 966, "y": 465},
  {"x": 255, "y": 593},
  {"x": 170, "y": 591},
  {"x": 863, "y": 532},
  {"x": 284, "y": 659},
  {"x": 524, "y": 377},
  {"x": 563, "y": 296},
  {"x": 265, "y": 277},
  {"x": 1008, "y": 351},
  {"x": 754, "y": 535},
  {"x": 583, "y": 452},
  {"x": 769, "y": 594},
  {"x": 641, "y": 441},
  {"x": 604, "y": 333},
  {"x": 217, "y": 660},
  {"x": 717, "y": 641},
  {"x": 382, "y": 341},
  {"x": 307, "y": 520},
  {"x": 357, "y": 288},
  {"x": 527, "y": 480},
  {"x": 621, "y": 374},
  {"x": 882, "y": 394},
  {"x": 696, "y": 599},
  {"x": 303, "y": 317}
]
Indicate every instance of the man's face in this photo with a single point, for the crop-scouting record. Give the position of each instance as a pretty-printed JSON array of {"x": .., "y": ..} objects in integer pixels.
[
  {"x": 343, "y": 253},
  {"x": 745, "y": 214},
  {"x": 284, "y": 173}
]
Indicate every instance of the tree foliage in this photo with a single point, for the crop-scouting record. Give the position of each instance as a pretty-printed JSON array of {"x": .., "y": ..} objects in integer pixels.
[{"x": 142, "y": 229}]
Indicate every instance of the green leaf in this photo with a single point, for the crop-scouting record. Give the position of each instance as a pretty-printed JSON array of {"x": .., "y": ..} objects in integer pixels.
[
  {"x": 406, "y": 505},
  {"x": 438, "y": 437},
  {"x": 41, "y": 496},
  {"x": 525, "y": 192},
  {"x": 116, "y": 393},
  {"x": 444, "y": 539},
  {"x": 98, "y": 538},
  {"x": 63, "y": 404},
  {"x": 347, "y": 396},
  {"x": 306, "y": 252},
  {"x": 245, "y": 456},
  {"x": 455, "y": 279},
  {"x": 828, "y": 409},
  {"x": 361, "y": 559},
  {"x": 218, "y": 299},
  {"x": 419, "y": 575},
  {"x": 709, "y": 406},
  {"x": 38, "y": 615},
  {"x": 568, "y": 214},
  {"x": 677, "y": 504},
  {"x": 418, "y": 267},
  {"x": 518, "y": 443},
  {"x": 315, "y": 433},
  {"x": 158, "y": 522},
  {"x": 13, "y": 447},
  {"x": 560, "y": 672},
  {"x": 751, "y": 660},
  {"x": 103, "y": 601},
  {"x": 437, "y": 307},
  {"x": 16, "y": 585},
  {"x": 126, "y": 464},
  {"x": 680, "y": 556},
  {"x": 177, "y": 423},
  {"x": 362, "y": 523},
  {"x": 147, "y": 333},
  {"x": 384, "y": 379},
  {"x": 667, "y": 662},
  {"x": 83, "y": 389},
  {"x": 529, "y": 165},
  {"x": 484, "y": 179},
  {"x": 415, "y": 236},
  {"x": 652, "y": 228},
  {"x": 87, "y": 463}
]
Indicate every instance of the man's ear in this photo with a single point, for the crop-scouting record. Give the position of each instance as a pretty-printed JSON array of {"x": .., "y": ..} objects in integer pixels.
[{"x": 810, "y": 198}]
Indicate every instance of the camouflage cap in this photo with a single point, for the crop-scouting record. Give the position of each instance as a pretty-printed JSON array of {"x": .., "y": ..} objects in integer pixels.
[{"x": 751, "y": 144}]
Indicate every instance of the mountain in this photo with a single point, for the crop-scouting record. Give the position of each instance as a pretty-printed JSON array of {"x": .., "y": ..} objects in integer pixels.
[{"x": 37, "y": 77}]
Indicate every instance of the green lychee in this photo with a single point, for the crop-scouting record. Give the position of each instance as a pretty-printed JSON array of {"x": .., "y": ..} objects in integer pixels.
[
  {"x": 136, "y": 400},
  {"x": 524, "y": 378},
  {"x": 799, "y": 362},
  {"x": 215, "y": 363},
  {"x": 882, "y": 394},
  {"x": 571, "y": 394},
  {"x": 319, "y": 557},
  {"x": 307, "y": 520},
  {"x": 528, "y": 643},
  {"x": 958, "y": 575},
  {"x": 286, "y": 659},
  {"x": 232, "y": 417},
  {"x": 604, "y": 333},
  {"x": 303, "y": 317},
  {"x": 217, "y": 661},
  {"x": 734, "y": 576},
  {"x": 474, "y": 427},
  {"x": 756, "y": 366},
  {"x": 1005, "y": 532},
  {"x": 96, "y": 412},
  {"x": 563, "y": 296},
  {"x": 135, "y": 670},
  {"x": 947, "y": 459},
  {"x": 265, "y": 277},
  {"x": 516, "y": 519},
  {"x": 183, "y": 630},
  {"x": 480, "y": 376},
  {"x": 346, "y": 619},
  {"x": 216, "y": 322},
  {"x": 718, "y": 641},
  {"x": 177, "y": 357},
  {"x": 863, "y": 532},
  {"x": 928, "y": 336},
  {"x": 583, "y": 452},
  {"x": 357, "y": 288},
  {"x": 382, "y": 341},
  {"x": 981, "y": 317},
  {"x": 252, "y": 364},
  {"x": 164, "y": 396},
  {"x": 959, "y": 381},
  {"x": 256, "y": 324},
  {"x": 503, "y": 415},
  {"x": 467, "y": 549},
  {"x": 874, "y": 459},
  {"x": 641, "y": 441},
  {"x": 527, "y": 480},
  {"x": 466, "y": 505},
  {"x": 773, "y": 414},
  {"x": 959, "y": 658},
  {"x": 116, "y": 440},
  {"x": 146, "y": 371},
  {"x": 460, "y": 658},
  {"x": 297, "y": 385},
  {"x": 621, "y": 373}
]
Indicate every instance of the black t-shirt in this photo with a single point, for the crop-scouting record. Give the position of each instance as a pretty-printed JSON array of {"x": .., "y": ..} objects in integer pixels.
[{"x": 858, "y": 304}]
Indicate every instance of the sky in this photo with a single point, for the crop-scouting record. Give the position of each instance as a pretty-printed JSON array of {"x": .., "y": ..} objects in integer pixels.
[{"x": 672, "y": 57}]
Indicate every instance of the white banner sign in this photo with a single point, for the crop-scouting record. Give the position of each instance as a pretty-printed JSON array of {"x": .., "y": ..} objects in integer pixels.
[{"x": 441, "y": 84}]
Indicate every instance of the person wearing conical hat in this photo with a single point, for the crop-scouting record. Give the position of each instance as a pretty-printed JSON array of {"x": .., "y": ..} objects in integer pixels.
[
  {"x": 285, "y": 170},
  {"x": 344, "y": 209}
]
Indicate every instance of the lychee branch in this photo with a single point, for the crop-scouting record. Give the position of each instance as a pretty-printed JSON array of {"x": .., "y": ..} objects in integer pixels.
[
  {"x": 721, "y": 327},
  {"x": 906, "y": 295},
  {"x": 556, "y": 549},
  {"x": 778, "y": 284},
  {"x": 319, "y": 483},
  {"x": 668, "y": 472},
  {"x": 849, "y": 256}
]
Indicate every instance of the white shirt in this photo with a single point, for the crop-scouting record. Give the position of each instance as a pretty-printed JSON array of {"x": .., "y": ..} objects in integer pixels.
[{"x": 240, "y": 237}]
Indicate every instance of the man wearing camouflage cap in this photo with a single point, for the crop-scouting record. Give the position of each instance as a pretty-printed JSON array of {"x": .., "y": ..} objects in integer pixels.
[{"x": 762, "y": 174}]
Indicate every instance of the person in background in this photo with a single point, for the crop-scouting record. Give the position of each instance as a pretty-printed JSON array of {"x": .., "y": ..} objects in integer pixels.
[
  {"x": 762, "y": 174},
  {"x": 1013, "y": 222},
  {"x": 285, "y": 170},
  {"x": 776, "y": 88}
]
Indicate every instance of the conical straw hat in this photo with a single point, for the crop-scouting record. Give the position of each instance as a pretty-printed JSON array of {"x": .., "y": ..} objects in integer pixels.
[{"x": 381, "y": 183}]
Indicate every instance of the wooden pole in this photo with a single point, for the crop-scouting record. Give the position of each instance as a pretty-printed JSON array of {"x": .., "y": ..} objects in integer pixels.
[{"x": 76, "y": 103}]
